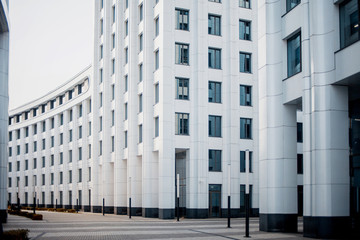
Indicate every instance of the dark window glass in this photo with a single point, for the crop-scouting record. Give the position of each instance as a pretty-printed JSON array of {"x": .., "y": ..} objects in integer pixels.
[
  {"x": 182, "y": 88},
  {"x": 214, "y": 126},
  {"x": 349, "y": 23},
  {"x": 182, "y": 19},
  {"x": 181, "y": 123},
  {"x": 299, "y": 132},
  {"x": 245, "y": 62},
  {"x": 215, "y": 92},
  {"x": 245, "y": 128},
  {"x": 245, "y": 4},
  {"x": 214, "y": 25},
  {"x": 243, "y": 161},
  {"x": 300, "y": 164},
  {"x": 294, "y": 54},
  {"x": 290, "y": 4},
  {"x": 182, "y": 53},
  {"x": 214, "y": 58},
  {"x": 214, "y": 160},
  {"x": 244, "y": 30}
]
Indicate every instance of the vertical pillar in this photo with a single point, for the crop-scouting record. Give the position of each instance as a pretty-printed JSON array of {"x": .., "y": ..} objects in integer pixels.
[
  {"x": 277, "y": 124},
  {"x": 326, "y": 132}
]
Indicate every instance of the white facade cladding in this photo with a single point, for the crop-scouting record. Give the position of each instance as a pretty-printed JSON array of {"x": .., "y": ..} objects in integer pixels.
[
  {"x": 4, "y": 104},
  {"x": 309, "y": 61},
  {"x": 174, "y": 80},
  {"x": 50, "y": 147}
]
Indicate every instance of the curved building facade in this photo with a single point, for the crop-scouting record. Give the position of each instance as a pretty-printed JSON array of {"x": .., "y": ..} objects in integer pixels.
[{"x": 4, "y": 104}]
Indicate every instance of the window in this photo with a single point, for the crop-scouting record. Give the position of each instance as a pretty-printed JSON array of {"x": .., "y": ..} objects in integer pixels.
[
  {"x": 101, "y": 27},
  {"x": 245, "y": 95},
  {"x": 34, "y": 112},
  {"x": 10, "y": 136},
  {"x": 156, "y": 126},
  {"x": 140, "y": 103},
  {"x": 157, "y": 93},
  {"x": 126, "y": 28},
  {"x": 294, "y": 54},
  {"x": 43, "y": 144},
  {"x": 244, "y": 30},
  {"x": 89, "y": 173},
  {"x": 89, "y": 106},
  {"x": 141, "y": 12},
  {"x": 79, "y": 89},
  {"x": 215, "y": 160},
  {"x": 157, "y": 60},
  {"x": 35, "y": 146},
  {"x": 52, "y": 140},
  {"x": 157, "y": 27},
  {"x": 101, "y": 57},
  {"x": 215, "y": 92},
  {"x": 217, "y": 1},
  {"x": 26, "y": 164},
  {"x": 101, "y": 75},
  {"x": 26, "y": 148},
  {"x": 243, "y": 161},
  {"x": 113, "y": 14},
  {"x": 61, "y": 100},
  {"x": 80, "y": 132},
  {"x": 182, "y": 88},
  {"x": 26, "y": 115},
  {"x": 80, "y": 153},
  {"x": 80, "y": 175},
  {"x": 10, "y": 151},
  {"x": 18, "y": 150},
  {"x": 43, "y": 108},
  {"x": 214, "y": 60},
  {"x": 61, "y": 119},
  {"x": 126, "y": 56},
  {"x": 125, "y": 139},
  {"x": 140, "y": 133},
  {"x": 34, "y": 163},
  {"x": 300, "y": 164},
  {"x": 43, "y": 126},
  {"x": 9, "y": 181},
  {"x": 141, "y": 40},
  {"x": 70, "y": 176},
  {"x": 100, "y": 123},
  {"x": 18, "y": 134},
  {"x": 113, "y": 65},
  {"x": 112, "y": 118},
  {"x": 182, "y": 19},
  {"x": 26, "y": 181},
  {"x": 43, "y": 162},
  {"x": 102, "y": 4},
  {"x": 349, "y": 23},
  {"x": 299, "y": 134},
  {"x": 126, "y": 83},
  {"x": 10, "y": 167},
  {"x": 214, "y": 126},
  {"x": 80, "y": 111},
  {"x": 52, "y": 160},
  {"x": 100, "y": 148},
  {"x": 113, "y": 40},
  {"x": 290, "y": 4},
  {"x": 26, "y": 132},
  {"x": 112, "y": 92},
  {"x": 244, "y": 3},
  {"x": 89, "y": 133},
  {"x": 140, "y": 73},
  {"x": 61, "y": 158},
  {"x": 43, "y": 179},
  {"x": 242, "y": 197},
  {"x": 61, "y": 138},
  {"x": 70, "y": 135},
  {"x": 112, "y": 143},
  {"x": 35, "y": 129},
  {"x": 245, "y": 62},
  {"x": 70, "y": 115},
  {"x": 89, "y": 151},
  {"x": 245, "y": 128},
  {"x": 182, "y": 53},
  {"x": 126, "y": 4},
  {"x": 214, "y": 27},
  {"x": 61, "y": 177},
  {"x": 18, "y": 166},
  {"x": 181, "y": 123},
  {"x": 52, "y": 178},
  {"x": 101, "y": 99},
  {"x": 70, "y": 155},
  {"x": 126, "y": 111}
]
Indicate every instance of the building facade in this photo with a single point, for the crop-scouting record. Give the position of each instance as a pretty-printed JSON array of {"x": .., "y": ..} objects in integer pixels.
[
  {"x": 4, "y": 104},
  {"x": 309, "y": 61}
]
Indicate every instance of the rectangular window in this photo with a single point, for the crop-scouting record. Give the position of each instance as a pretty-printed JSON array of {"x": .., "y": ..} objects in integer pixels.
[
  {"x": 18, "y": 135},
  {"x": 141, "y": 40},
  {"x": 294, "y": 54},
  {"x": 140, "y": 103},
  {"x": 125, "y": 139},
  {"x": 214, "y": 92},
  {"x": 70, "y": 155},
  {"x": 80, "y": 175},
  {"x": 112, "y": 92},
  {"x": 101, "y": 57},
  {"x": 244, "y": 30},
  {"x": 101, "y": 99},
  {"x": 43, "y": 162},
  {"x": 34, "y": 163},
  {"x": 52, "y": 160},
  {"x": 70, "y": 176},
  {"x": 181, "y": 123},
  {"x": 10, "y": 136},
  {"x": 112, "y": 118},
  {"x": 141, "y": 12},
  {"x": 61, "y": 158},
  {"x": 70, "y": 135},
  {"x": 157, "y": 60},
  {"x": 126, "y": 83},
  {"x": 182, "y": 53},
  {"x": 245, "y": 128},
  {"x": 290, "y": 4},
  {"x": 242, "y": 197},
  {"x": 80, "y": 153},
  {"x": 113, "y": 66},
  {"x": 140, "y": 73},
  {"x": 61, "y": 138},
  {"x": 89, "y": 174},
  {"x": 61, "y": 119},
  {"x": 18, "y": 166},
  {"x": 9, "y": 181},
  {"x": 214, "y": 126},
  {"x": 43, "y": 179},
  {"x": 100, "y": 123},
  {"x": 52, "y": 141},
  {"x": 126, "y": 28},
  {"x": 214, "y": 26},
  {"x": 70, "y": 115},
  {"x": 126, "y": 111},
  {"x": 349, "y": 23},
  {"x": 79, "y": 89},
  {"x": 245, "y": 62},
  {"x": 100, "y": 148},
  {"x": 113, "y": 40},
  {"x": 43, "y": 144},
  {"x": 26, "y": 131},
  {"x": 157, "y": 26},
  {"x": 140, "y": 133},
  {"x": 61, "y": 100},
  {"x": 26, "y": 181},
  {"x": 10, "y": 167},
  {"x": 113, "y": 14},
  {"x": 182, "y": 88},
  {"x": 217, "y": 1},
  {"x": 43, "y": 126},
  {"x": 52, "y": 178},
  {"x": 126, "y": 56},
  {"x": 157, "y": 93},
  {"x": 89, "y": 129},
  {"x": 26, "y": 148},
  {"x": 89, "y": 151},
  {"x": 35, "y": 146},
  {"x": 245, "y": 95},
  {"x": 80, "y": 132},
  {"x": 244, "y": 3},
  {"x": 26, "y": 164},
  {"x": 182, "y": 19},
  {"x": 214, "y": 58},
  {"x": 214, "y": 160},
  {"x": 126, "y": 4},
  {"x": 61, "y": 177},
  {"x": 299, "y": 134},
  {"x": 112, "y": 143},
  {"x": 80, "y": 111},
  {"x": 18, "y": 149},
  {"x": 300, "y": 164},
  {"x": 243, "y": 162},
  {"x": 101, "y": 75},
  {"x": 101, "y": 27},
  {"x": 156, "y": 126},
  {"x": 35, "y": 129},
  {"x": 10, "y": 151}
]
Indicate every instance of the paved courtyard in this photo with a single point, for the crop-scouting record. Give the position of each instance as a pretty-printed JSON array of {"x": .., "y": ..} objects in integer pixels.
[{"x": 95, "y": 226}]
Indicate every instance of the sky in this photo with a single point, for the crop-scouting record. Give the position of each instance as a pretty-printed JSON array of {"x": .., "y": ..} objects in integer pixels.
[{"x": 50, "y": 42}]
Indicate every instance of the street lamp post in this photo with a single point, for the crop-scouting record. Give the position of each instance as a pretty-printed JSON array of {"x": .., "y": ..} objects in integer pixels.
[
  {"x": 129, "y": 197},
  {"x": 247, "y": 195},
  {"x": 178, "y": 196},
  {"x": 18, "y": 194},
  {"x": 34, "y": 194},
  {"x": 229, "y": 190}
]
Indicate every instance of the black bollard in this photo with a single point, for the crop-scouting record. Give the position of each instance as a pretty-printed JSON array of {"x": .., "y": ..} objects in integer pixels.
[
  {"x": 247, "y": 209},
  {"x": 103, "y": 206},
  {"x": 229, "y": 212},
  {"x": 77, "y": 205},
  {"x": 129, "y": 207},
  {"x": 34, "y": 205}
]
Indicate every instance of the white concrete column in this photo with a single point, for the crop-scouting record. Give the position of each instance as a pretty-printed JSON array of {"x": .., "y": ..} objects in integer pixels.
[
  {"x": 326, "y": 132},
  {"x": 277, "y": 134}
]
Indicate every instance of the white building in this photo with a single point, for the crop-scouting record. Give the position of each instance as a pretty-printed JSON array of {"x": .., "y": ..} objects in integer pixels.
[
  {"x": 173, "y": 92},
  {"x": 309, "y": 60},
  {"x": 4, "y": 104}
]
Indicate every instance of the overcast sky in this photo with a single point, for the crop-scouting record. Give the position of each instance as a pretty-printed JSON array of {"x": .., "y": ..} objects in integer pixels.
[{"x": 50, "y": 42}]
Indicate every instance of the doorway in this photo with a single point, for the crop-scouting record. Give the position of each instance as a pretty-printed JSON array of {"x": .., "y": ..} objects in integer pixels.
[{"x": 215, "y": 200}]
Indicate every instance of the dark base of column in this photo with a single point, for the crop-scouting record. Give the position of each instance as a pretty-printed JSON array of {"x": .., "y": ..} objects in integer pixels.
[
  {"x": 150, "y": 212},
  {"x": 166, "y": 213},
  {"x": 109, "y": 210},
  {"x": 3, "y": 216},
  {"x": 278, "y": 222},
  {"x": 327, "y": 227},
  {"x": 97, "y": 209},
  {"x": 197, "y": 213},
  {"x": 87, "y": 208},
  {"x": 121, "y": 210},
  {"x": 135, "y": 211}
]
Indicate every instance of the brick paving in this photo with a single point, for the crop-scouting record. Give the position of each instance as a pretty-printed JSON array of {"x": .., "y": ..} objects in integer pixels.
[{"x": 96, "y": 226}]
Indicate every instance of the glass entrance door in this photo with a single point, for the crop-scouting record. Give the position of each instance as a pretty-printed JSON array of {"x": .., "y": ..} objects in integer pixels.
[{"x": 215, "y": 200}]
